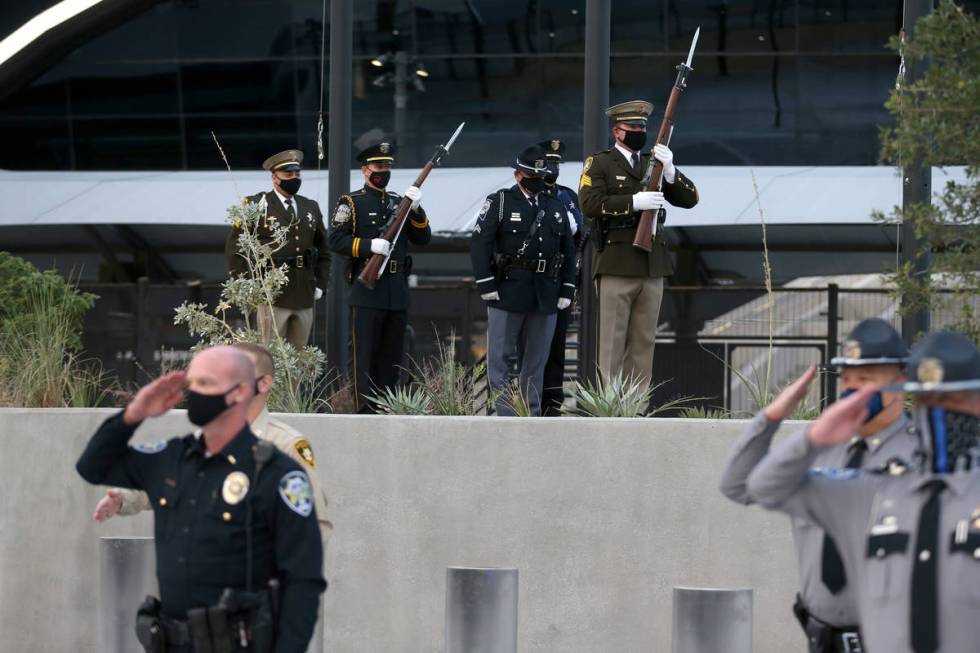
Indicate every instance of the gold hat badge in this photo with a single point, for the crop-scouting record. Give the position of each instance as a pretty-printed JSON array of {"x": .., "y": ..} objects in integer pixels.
[
  {"x": 930, "y": 370},
  {"x": 852, "y": 349}
]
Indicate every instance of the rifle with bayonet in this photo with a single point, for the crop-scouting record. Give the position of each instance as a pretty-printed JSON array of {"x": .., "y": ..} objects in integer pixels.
[
  {"x": 377, "y": 263},
  {"x": 655, "y": 172}
]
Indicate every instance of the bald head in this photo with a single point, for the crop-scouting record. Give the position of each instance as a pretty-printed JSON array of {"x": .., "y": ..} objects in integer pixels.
[{"x": 219, "y": 369}]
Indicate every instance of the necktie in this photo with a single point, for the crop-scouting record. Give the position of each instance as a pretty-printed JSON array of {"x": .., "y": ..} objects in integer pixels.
[
  {"x": 831, "y": 565},
  {"x": 635, "y": 160},
  {"x": 290, "y": 211},
  {"x": 924, "y": 631}
]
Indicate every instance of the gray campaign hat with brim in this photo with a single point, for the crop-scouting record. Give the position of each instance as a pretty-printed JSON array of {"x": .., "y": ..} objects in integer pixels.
[
  {"x": 872, "y": 342},
  {"x": 944, "y": 361}
]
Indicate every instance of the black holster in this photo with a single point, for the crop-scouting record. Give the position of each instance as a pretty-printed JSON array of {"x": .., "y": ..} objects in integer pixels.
[
  {"x": 149, "y": 630},
  {"x": 241, "y": 621}
]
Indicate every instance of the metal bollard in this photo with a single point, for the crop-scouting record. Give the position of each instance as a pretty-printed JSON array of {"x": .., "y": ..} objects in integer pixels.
[
  {"x": 712, "y": 620},
  {"x": 126, "y": 575},
  {"x": 481, "y": 610}
]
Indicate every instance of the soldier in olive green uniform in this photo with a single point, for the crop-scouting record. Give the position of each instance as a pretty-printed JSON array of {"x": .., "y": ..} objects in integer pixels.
[
  {"x": 630, "y": 280},
  {"x": 305, "y": 251}
]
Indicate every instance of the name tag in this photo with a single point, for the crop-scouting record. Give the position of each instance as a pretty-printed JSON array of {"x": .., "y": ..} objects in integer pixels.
[
  {"x": 618, "y": 178},
  {"x": 515, "y": 217},
  {"x": 373, "y": 213},
  {"x": 884, "y": 529}
]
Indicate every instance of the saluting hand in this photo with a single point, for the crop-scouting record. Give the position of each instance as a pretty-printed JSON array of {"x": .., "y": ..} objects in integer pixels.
[
  {"x": 156, "y": 398},
  {"x": 837, "y": 424},
  {"x": 786, "y": 401}
]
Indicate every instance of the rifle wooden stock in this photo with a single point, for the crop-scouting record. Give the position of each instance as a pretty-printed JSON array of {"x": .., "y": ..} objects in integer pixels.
[
  {"x": 644, "y": 229},
  {"x": 369, "y": 274}
]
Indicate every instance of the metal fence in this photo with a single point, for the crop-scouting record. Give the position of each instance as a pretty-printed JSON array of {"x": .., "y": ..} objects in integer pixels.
[{"x": 713, "y": 342}]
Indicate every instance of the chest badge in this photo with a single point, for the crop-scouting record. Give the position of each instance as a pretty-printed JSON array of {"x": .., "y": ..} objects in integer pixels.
[{"x": 234, "y": 488}]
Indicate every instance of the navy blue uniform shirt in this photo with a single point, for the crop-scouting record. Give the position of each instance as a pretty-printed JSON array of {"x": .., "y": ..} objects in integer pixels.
[{"x": 199, "y": 507}]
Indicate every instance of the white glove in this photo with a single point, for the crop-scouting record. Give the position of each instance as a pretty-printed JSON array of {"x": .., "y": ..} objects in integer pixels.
[
  {"x": 414, "y": 193},
  {"x": 490, "y": 296},
  {"x": 648, "y": 199},
  {"x": 663, "y": 154},
  {"x": 381, "y": 246},
  {"x": 563, "y": 303},
  {"x": 571, "y": 222},
  {"x": 317, "y": 294}
]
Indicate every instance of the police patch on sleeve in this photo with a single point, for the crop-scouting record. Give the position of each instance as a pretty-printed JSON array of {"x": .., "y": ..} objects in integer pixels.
[
  {"x": 296, "y": 493},
  {"x": 305, "y": 451},
  {"x": 155, "y": 447},
  {"x": 483, "y": 210},
  {"x": 342, "y": 214}
]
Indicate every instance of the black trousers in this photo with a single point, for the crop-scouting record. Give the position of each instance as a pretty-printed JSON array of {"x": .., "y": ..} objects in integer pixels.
[
  {"x": 378, "y": 342},
  {"x": 553, "y": 393}
]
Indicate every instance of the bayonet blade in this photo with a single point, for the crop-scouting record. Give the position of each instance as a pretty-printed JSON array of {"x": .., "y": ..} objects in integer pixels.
[
  {"x": 694, "y": 44},
  {"x": 455, "y": 134}
]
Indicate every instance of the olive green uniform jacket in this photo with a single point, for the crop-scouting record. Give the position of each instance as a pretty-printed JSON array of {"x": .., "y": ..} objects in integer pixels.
[
  {"x": 605, "y": 193},
  {"x": 305, "y": 251}
]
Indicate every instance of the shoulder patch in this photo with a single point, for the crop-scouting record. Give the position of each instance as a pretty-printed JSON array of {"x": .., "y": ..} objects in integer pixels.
[
  {"x": 296, "y": 493},
  {"x": 484, "y": 209},
  {"x": 155, "y": 447},
  {"x": 342, "y": 214},
  {"x": 585, "y": 181},
  {"x": 587, "y": 165},
  {"x": 303, "y": 448}
]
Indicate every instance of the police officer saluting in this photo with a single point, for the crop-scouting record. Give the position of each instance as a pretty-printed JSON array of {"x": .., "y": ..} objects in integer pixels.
[
  {"x": 523, "y": 255},
  {"x": 631, "y": 280},
  {"x": 379, "y": 315},
  {"x": 554, "y": 370},
  {"x": 909, "y": 535},
  {"x": 873, "y": 355},
  {"x": 305, "y": 251},
  {"x": 233, "y": 516}
]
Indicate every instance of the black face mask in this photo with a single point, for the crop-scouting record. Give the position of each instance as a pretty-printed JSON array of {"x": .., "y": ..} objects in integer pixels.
[
  {"x": 380, "y": 179},
  {"x": 533, "y": 185},
  {"x": 290, "y": 186},
  {"x": 634, "y": 140},
  {"x": 203, "y": 409},
  {"x": 551, "y": 178}
]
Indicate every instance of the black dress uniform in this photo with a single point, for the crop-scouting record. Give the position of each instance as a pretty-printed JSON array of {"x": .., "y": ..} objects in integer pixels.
[
  {"x": 199, "y": 505},
  {"x": 379, "y": 316},
  {"x": 553, "y": 394},
  {"x": 522, "y": 248},
  {"x": 305, "y": 253}
]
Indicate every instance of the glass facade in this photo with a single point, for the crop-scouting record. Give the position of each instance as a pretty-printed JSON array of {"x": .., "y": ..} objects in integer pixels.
[{"x": 794, "y": 82}]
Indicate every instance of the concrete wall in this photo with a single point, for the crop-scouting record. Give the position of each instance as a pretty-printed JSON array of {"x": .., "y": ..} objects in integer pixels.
[{"x": 602, "y": 517}]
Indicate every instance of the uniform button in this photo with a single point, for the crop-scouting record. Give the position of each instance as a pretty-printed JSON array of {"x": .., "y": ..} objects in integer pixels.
[
  {"x": 924, "y": 555},
  {"x": 163, "y": 501},
  {"x": 875, "y": 442},
  {"x": 232, "y": 459},
  {"x": 880, "y": 553},
  {"x": 540, "y": 239},
  {"x": 976, "y": 553},
  {"x": 226, "y": 516}
]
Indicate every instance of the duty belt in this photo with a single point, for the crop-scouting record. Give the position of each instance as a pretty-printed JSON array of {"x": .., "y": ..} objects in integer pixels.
[
  {"x": 305, "y": 260},
  {"x": 536, "y": 265},
  {"x": 394, "y": 267},
  {"x": 825, "y": 638}
]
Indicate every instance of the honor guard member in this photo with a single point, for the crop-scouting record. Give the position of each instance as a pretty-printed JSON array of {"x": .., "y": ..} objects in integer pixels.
[
  {"x": 872, "y": 355},
  {"x": 909, "y": 535},
  {"x": 239, "y": 558},
  {"x": 630, "y": 280},
  {"x": 305, "y": 251},
  {"x": 379, "y": 316},
  {"x": 553, "y": 394},
  {"x": 523, "y": 256}
]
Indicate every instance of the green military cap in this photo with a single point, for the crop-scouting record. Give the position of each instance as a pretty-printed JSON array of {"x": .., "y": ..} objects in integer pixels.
[
  {"x": 286, "y": 161},
  {"x": 634, "y": 112}
]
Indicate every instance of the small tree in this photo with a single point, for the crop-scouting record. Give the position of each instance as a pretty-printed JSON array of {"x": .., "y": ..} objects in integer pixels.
[
  {"x": 937, "y": 123},
  {"x": 299, "y": 381}
]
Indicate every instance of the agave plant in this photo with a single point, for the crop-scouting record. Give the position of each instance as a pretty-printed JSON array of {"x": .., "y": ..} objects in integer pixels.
[
  {"x": 620, "y": 396},
  {"x": 403, "y": 400}
]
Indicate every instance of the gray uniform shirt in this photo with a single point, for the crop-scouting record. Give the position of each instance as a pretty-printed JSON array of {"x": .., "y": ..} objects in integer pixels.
[
  {"x": 874, "y": 520},
  {"x": 893, "y": 441}
]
